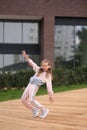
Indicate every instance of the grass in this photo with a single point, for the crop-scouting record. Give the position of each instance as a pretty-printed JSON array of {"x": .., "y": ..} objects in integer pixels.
[
  {"x": 16, "y": 94},
  {"x": 10, "y": 94}
]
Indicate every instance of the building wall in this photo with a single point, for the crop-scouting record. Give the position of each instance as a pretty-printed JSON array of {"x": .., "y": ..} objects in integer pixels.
[
  {"x": 45, "y": 11},
  {"x": 44, "y": 7}
]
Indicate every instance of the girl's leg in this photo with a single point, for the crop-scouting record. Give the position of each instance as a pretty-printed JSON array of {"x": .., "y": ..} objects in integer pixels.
[
  {"x": 32, "y": 92},
  {"x": 25, "y": 97},
  {"x": 28, "y": 99}
]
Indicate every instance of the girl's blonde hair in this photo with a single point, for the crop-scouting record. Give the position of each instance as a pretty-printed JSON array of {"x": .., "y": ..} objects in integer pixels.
[{"x": 49, "y": 71}]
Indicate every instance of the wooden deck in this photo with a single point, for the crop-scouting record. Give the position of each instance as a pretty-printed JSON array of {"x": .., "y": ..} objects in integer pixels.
[{"x": 68, "y": 112}]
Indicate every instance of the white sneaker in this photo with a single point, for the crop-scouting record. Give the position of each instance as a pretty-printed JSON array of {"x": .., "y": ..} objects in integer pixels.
[
  {"x": 35, "y": 112},
  {"x": 44, "y": 113}
]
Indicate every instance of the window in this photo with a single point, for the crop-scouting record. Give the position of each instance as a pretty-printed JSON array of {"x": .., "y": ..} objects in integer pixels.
[
  {"x": 12, "y": 32},
  {"x": 19, "y": 32},
  {"x": 30, "y": 33},
  {"x": 73, "y": 47},
  {"x": 15, "y": 35},
  {"x": 1, "y": 32}
]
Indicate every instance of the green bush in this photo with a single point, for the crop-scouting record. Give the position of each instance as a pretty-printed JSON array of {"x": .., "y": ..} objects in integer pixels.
[
  {"x": 18, "y": 79},
  {"x": 69, "y": 77},
  {"x": 61, "y": 77}
]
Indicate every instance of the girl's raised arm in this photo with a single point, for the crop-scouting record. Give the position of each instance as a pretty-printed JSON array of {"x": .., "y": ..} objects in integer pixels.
[{"x": 30, "y": 61}]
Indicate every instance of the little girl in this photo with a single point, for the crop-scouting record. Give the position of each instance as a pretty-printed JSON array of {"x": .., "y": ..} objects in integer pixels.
[{"x": 43, "y": 74}]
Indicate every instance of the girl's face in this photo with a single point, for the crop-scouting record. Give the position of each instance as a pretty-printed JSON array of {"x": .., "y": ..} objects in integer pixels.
[{"x": 45, "y": 66}]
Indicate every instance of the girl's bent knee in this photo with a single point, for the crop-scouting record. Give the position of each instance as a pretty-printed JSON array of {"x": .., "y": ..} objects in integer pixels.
[
  {"x": 31, "y": 100},
  {"x": 22, "y": 100}
]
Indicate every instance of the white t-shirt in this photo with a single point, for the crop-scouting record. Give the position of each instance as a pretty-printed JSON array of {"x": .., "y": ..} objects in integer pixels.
[{"x": 41, "y": 78}]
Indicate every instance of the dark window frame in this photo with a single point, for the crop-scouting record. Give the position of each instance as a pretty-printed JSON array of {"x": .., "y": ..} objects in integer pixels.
[{"x": 71, "y": 21}]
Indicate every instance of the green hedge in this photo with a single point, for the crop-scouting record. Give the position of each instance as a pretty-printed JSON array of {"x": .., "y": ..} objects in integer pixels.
[
  {"x": 17, "y": 79},
  {"x": 61, "y": 77},
  {"x": 70, "y": 77}
]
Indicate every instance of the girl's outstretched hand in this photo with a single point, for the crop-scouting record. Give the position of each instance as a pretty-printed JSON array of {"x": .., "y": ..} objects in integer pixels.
[
  {"x": 25, "y": 55},
  {"x": 51, "y": 99}
]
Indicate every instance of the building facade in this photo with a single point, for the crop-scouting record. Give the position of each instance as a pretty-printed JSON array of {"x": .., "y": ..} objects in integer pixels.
[{"x": 47, "y": 14}]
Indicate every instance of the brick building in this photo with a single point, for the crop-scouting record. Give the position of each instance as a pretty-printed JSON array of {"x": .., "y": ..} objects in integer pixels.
[{"x": 45, "y": 12}]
